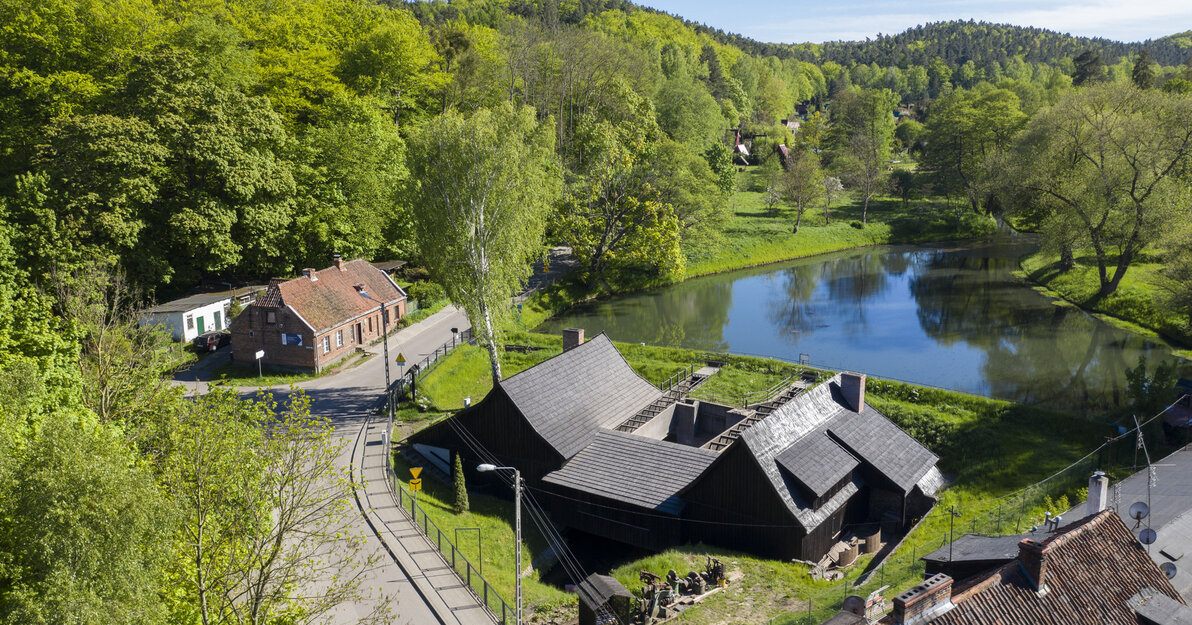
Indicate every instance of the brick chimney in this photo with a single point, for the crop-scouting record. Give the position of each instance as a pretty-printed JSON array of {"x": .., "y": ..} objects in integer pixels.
[
  {"x": 310, "y": 273},
  {"x": 337, "y": 261},
  {"x": 852, "y": 386},
  {"x": 924, "y": 602},
  {"x": 1032, "y": 556},
  {"x": 1098, "y": 493},
  {"x": 572, "y": 338}
]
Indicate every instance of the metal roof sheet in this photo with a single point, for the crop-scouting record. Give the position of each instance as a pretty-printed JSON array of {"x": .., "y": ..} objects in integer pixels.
[{"x": 189, "y": 303}]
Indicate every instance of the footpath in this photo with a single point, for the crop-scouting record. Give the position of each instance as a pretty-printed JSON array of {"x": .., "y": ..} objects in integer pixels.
[{"x": 411, "y": 577}]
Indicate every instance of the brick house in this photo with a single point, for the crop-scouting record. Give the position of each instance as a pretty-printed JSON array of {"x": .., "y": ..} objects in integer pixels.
[{"x": 316, "y": 319}]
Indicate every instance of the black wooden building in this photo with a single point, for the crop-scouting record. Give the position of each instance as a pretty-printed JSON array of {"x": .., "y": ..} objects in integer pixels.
[{"x": 785, "y": 488}]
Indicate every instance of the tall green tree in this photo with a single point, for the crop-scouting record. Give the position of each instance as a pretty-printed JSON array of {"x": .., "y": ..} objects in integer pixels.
[
  {"x": 1105, "y": 162},
  {"x": 265, "y": 532},
  {"x": 85, "y": 530},
  {"x": 482, "y": 187},
  {"x": 1143, "y": 74},
  {"x": 966, "y": 130},
  {"x": 802, "y": 181},
  {"x": 863, "y": 129}
]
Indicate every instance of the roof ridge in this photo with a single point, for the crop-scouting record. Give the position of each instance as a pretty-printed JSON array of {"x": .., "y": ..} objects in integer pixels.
[{"x": 1076, "y": 529}]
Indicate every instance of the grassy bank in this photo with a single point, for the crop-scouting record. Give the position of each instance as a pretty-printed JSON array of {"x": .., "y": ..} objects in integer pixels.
[
  {"x": 754, "y": 235},
  {"x": 236, "y": 374},
  {"x": 1138, "y": 300},
  {"x": 988, "y": 448}
]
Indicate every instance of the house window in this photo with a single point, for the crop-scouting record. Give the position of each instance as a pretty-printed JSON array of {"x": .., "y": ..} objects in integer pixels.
[
  {"x": 339, "y": 338},
  {"x": 190, "y": 322},
  {"x": 370, "y": 325},
  {"x": 326, "y": 344},
  {"x": 270, "y": 317}
]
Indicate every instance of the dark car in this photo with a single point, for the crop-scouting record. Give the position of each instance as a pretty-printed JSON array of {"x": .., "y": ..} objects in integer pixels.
[{"x": 211, "y": 341}]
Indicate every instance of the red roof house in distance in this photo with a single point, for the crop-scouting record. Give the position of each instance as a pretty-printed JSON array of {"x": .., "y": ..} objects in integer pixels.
[{"x": 316, "y": 319}]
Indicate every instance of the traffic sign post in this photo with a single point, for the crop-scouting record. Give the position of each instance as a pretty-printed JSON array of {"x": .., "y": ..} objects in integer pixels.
[
  {"x": 260, "y": 355},
  {"x": 415, "y": 486}
]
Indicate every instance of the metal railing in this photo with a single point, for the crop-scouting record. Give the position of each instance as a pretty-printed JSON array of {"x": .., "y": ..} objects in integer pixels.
[
  {"x": 677, "y": 379},
  {"x": 418, "y": 370},
  {"x": 469, "y": 574},
  {"x": 752, "y": 397}
]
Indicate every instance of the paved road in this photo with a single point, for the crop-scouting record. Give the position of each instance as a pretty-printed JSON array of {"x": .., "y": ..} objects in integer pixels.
[{"x": 424, "y": 590}]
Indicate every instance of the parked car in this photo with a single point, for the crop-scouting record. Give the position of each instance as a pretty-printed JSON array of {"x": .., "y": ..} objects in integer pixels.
[{"x": 211, "y": 341}]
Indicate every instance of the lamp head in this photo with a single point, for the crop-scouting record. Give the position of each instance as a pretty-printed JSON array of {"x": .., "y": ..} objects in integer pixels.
[{"x": 486, "y": 467}]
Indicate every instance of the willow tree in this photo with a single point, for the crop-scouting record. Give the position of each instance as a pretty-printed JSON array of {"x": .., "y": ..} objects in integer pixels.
[
  {"x": 1106, "y": 167},
  {"x": 481, "y": 189}
]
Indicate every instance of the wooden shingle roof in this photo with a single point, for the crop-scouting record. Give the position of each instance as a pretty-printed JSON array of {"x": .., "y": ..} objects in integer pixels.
[
  {"x": 566, "y": 399},
  {"x": 1093, "y": 569},
  {"x": 778, "y": 445},
  {"x": 330, "y": 296},
  {"x": 634, "y": 469}
]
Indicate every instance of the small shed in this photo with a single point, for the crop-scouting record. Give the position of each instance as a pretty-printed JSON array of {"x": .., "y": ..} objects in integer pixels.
[
  {"x": 972, "y": 554},
  {"x": 604, "y": 601},
  {"x": 190, "y": 316}
]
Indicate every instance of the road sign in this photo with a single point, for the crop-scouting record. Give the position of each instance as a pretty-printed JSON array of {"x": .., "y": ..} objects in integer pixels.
[
  {"x": 415, "y": 485},
  {"x": 401, "y": 359},
  {"x": 260, "y": 354},
  {"x": 415, "y": 472}
]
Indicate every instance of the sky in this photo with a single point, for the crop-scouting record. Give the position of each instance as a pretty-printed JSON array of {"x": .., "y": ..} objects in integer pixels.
[{"x": 784, "y": 21}]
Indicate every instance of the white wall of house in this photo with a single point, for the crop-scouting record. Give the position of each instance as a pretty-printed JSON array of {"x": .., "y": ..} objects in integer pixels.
[{"x": 186, "y": 325}]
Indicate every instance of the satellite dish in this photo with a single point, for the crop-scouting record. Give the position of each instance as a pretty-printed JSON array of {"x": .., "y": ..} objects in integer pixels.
[
  {"x": 1139, "y": 510},
  {"x": 1147, "y": 536},
  {"x": 1168, "y": 569}
]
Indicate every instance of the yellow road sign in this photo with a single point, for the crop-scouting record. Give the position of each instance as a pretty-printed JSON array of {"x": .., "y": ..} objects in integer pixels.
[
  {"x": 401, "y": 359},
  {"x": 415, "y": 471},
  {"x": 415, "y": 485}
]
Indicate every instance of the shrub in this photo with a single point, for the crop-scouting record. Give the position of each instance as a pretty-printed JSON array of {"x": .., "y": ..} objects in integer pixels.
[
  {"x": 461, "y": 487},
  {"x": 426, "y": 292},
  {"x": 856, "y": 224}
]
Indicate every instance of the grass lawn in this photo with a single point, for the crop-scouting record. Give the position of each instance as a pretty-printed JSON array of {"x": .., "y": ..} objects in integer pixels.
[
  {"x": 1138, "y": 300},
  {"x": 235, "y": 374},
  {"x": 494, "y": 516},
  {"x": 753, "y": 236},
  {"x": 989, "y": 448}
]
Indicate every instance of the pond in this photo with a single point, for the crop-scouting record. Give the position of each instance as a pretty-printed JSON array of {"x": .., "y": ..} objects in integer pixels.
[{"x": 951, "y": 316}]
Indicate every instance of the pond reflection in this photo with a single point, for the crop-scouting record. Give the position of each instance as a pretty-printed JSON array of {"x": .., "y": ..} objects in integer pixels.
[{"x": 954, "y": 317}]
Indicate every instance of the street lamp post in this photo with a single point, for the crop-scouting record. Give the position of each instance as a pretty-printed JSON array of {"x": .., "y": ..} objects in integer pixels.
[{"x": 517, "y": 487}]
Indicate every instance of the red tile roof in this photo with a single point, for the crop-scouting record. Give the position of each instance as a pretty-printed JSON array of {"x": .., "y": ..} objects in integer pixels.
[
  {"x": 332, "y": 298},
  {"x": 1093, "y": 567}
]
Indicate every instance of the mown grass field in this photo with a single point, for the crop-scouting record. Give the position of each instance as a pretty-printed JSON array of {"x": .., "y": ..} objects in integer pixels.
[
  {"x": 989, "y": 448},
  {"x": 1137, "y": 301}
]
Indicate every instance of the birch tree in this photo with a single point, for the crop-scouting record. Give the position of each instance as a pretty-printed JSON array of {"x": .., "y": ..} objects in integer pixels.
[{"x": 483, "y": 186}]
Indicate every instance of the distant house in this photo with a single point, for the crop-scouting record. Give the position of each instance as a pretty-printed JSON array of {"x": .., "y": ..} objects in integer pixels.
[
  {"x": 190, "y": 316},
  {"x": 193, "y": 315},
  {"x": 619, "y": 458},
  {"x": 1091, "y": 571},
  {"x": 314, "y": 320}
]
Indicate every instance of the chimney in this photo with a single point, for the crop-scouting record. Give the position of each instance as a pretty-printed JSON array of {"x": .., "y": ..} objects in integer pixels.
[
  {"x": 572, "y": 338},
  {"x": 1098, "y": 492},
  {"x": 337, "y": 261},
  {"x": 310, "y": 273},
  {"x": 852, "y": 386},
  {"x": 924, "y": 602},
  {"x": 1032, "y": 556}
]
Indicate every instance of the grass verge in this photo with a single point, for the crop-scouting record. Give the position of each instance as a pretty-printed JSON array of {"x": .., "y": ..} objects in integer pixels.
[
  {"x": 235, "y": 374},
  {"x": 1138, "y": 300}
]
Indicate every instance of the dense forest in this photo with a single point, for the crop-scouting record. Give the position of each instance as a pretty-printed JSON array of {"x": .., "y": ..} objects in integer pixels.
[{"x": 147, "y": 146}]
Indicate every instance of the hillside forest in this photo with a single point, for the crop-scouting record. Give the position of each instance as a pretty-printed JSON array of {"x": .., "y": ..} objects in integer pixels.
[{"x": 147, "y": 146}]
